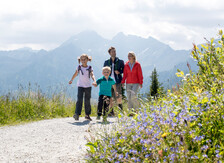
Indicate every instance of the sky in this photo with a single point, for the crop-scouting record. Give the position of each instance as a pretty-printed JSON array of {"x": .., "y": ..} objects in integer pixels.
[{"x": 46, "y": 24}]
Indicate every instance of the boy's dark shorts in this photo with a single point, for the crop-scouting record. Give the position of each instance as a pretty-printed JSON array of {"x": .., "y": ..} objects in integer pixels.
[{"x": 119, "y": 90}]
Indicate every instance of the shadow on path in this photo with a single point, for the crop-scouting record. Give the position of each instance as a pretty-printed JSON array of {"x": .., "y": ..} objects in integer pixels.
[
  {"x": 78, "y": 123},
  {"x": 104, "y": 123}
]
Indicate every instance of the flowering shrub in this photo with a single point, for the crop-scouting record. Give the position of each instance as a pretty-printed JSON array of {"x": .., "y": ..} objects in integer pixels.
[{"x": 184, "y": 126}]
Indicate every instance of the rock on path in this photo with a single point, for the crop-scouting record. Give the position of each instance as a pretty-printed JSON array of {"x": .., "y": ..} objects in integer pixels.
[{"x": 55, "y": 140}]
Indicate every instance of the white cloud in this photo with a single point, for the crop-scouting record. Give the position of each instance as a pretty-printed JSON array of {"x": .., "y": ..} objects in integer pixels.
[{"x": 46, "y": 24}]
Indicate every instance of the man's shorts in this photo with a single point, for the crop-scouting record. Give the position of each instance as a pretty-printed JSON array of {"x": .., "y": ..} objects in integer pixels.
[{"x": 119, "y": 90}]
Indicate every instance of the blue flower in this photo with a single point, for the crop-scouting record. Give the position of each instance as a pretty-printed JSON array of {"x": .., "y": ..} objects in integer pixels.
[
  {"x": 126, "y": 155},
  {"x": 194, "y": 157},
  {"x": 134, "y": 151},
  {"x": 147, "y": 155},
  {"x": 142, "y": 141},
  {"x": 218, "y": 156},
  {"x": 204, "y": 155},
  {"x": 139, "y": 160},
  {"x": 121, "y": 156},
  {"x": 204, "y": 147}
]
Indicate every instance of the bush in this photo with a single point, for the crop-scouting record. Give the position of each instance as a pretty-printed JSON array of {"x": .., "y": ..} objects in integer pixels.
[{"x": 184, "y": 126}]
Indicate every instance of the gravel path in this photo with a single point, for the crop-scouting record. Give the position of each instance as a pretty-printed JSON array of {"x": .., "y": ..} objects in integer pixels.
[{"x": 56, "y": 140}]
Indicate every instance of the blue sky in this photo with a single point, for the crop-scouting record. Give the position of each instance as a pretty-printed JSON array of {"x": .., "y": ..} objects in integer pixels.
[{"x": 45, "y": 24}]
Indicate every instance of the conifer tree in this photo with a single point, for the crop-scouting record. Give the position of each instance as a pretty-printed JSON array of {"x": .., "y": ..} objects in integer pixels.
[{"x": 154, "y": 84}]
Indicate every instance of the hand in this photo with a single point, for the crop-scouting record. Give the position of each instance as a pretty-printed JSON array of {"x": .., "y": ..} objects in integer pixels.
[
  {"x": 140, "y": 85},
  {"x": 70, "y": 82},
  {"x": 117, "y": 72},
  {"x": 94, "y": 84},
  {"x": 117, "y": 94}
]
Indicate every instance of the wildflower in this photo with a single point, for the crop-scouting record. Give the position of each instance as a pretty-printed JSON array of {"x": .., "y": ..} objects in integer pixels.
[
  {"x": 144, "y": 149},
  {"x": 147, "y": 155},
  {"x": 160, "y": 152},
  {"x": 138, "y": 160},
  {"x": 218, "y": 156},
  {"x": 126, "y": 155},
  {"x": 198, "y": 138},
  {"x": 177, "y": 133},
  {"x": 112, "y": 141},
  {"x": 164, "y": 135},
  {"x": 208, "y": 141},
  {"x": 194, "y": 157},
  {"x": 204, "y": 147},
  {"x": 133, "y": 158},
  {"x": 145, "y": 124},
  {"x": 204, "y": 155},
  {"x": 121, "y": 156},
  {"x": 135, "y": 152}
]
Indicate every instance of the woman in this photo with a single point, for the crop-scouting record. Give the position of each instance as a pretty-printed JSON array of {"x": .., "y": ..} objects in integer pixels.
[{"x": 133, "y": 78}]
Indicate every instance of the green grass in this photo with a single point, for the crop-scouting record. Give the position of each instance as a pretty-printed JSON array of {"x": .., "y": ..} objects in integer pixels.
[{"x": 28, "y": 106}]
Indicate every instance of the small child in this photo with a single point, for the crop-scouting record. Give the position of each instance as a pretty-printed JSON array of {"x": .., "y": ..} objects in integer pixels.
[
  {"x": 106, "y": 83},
  {"x": 84, "y": 86}
]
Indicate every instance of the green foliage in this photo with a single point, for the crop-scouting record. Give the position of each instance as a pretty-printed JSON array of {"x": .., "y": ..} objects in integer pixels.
[
  {"x": 156, "y": 88},
  {"x": 186, "y": 125},
  {"x": 33, "y": 105}
]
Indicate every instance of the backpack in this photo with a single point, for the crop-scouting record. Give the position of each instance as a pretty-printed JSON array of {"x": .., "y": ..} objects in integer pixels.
[{"x": 89, "y": 69}]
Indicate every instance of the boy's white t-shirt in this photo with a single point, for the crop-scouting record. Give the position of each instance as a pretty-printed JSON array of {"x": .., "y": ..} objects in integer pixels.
[{"x": 84, "y": 79}]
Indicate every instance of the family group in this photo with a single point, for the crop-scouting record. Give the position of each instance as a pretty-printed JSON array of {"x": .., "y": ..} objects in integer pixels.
[{"x": 115, "y": 74}]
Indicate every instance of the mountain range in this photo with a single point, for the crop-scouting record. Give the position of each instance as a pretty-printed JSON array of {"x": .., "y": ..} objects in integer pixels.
[{"x": 54, "y": 68}]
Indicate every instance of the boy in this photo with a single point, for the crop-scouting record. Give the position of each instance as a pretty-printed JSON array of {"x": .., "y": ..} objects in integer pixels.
[
  {"x": 117, "y": 66},
  {"x": 106, "y": 83}
]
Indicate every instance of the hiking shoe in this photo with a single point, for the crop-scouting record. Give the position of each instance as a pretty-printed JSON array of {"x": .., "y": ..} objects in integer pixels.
[
  {"x": 76, "y": 117},
  {"x": 88, "y": 117},
  {"x": 98, "y": 117}
]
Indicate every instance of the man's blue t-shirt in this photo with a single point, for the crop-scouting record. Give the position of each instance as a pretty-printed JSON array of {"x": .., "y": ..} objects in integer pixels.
[{"x": 105, "y": 86}]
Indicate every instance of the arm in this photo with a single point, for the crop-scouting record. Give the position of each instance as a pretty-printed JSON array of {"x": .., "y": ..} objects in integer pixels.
[
  {"x": 73, "y": 77},
  {"x": 95, "y": 83},
  {"x": 120, "y": 71},
  {"x": 92, "y": 76},
  {"x": 140, "y": 76},
  {"x": 115, "y": 90},
  {"x": 122, "y": 67},
  {"x": 124, "y": 76}
]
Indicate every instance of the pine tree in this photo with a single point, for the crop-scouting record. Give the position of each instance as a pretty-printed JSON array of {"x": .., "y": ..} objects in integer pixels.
[
  {"x": 155, "y": 87},
  {"x": 154, "y": 84}
]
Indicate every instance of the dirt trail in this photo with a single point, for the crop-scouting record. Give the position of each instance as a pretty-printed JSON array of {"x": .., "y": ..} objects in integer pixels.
[{"x": 56, "y": 140}]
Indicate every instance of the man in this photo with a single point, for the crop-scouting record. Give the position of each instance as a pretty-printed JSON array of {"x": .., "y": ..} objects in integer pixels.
[{"x": 117, "y": 67}]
